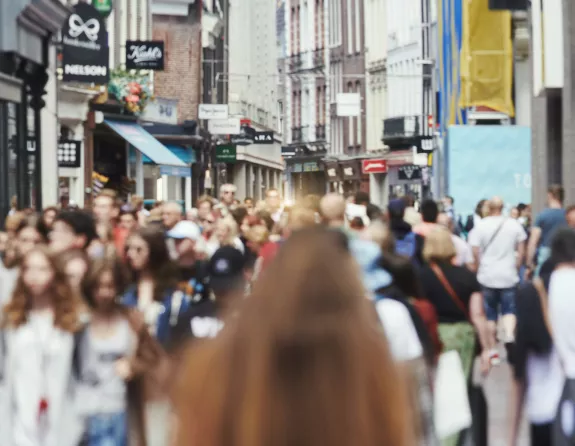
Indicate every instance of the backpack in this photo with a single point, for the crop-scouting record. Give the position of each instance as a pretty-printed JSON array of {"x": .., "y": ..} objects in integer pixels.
[{"x": 406, "y": 246}]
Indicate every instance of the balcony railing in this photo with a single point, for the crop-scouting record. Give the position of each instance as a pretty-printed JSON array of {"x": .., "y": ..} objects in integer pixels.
[
  {"x": 320, "y": 132},
  {"x": 296, "y": 134},
  {"x": 402, "y": 127},
  {"x": 295, "y": 62},
  {"x": 318, "y": 57}
]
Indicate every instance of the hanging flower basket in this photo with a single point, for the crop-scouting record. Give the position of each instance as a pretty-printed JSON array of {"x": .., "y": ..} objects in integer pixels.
[{"x": 132, "y": 90}]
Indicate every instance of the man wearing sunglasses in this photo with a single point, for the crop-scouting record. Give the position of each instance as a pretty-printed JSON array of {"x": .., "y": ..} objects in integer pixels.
[{"x": 227, "y": 198}]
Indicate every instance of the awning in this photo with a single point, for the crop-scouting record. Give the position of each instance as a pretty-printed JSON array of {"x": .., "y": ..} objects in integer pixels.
[
  {"x": 145, "y": 143},
  {"x": 185, "y": 154}
]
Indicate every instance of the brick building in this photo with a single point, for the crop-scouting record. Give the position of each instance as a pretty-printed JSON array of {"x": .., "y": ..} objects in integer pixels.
[{"x": 181, "y": 78}]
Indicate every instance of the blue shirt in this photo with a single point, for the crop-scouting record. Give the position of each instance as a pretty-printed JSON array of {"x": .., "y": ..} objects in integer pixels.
[{"x": 549, "y": 220}]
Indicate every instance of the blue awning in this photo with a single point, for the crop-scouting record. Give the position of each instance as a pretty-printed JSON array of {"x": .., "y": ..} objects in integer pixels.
[
  {"x": 185, "y": 154},
  {"x": 145, "y": 143}
]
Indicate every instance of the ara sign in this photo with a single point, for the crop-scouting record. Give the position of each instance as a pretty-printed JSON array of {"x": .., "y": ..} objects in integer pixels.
[{"x": 144, "y": 55}]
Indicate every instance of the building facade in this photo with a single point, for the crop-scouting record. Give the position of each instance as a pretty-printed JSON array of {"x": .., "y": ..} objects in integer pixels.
[
  {"x": 28, "y": 140},
  {"x": 252, "y": 80},
  {"x": 410, "y": 100},
  {"x": 375, "y": 94},
  {"x": 307, "y": 91},
  {"x": 347, "y": 70}
]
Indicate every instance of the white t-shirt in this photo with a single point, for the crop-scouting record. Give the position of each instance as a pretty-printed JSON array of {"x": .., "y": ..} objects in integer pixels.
[
  {"x": 497, "y": 263},
  {"x": 399, "y": 330},
  {"x": 562, "y": 316},
  {"x": 545, "y": 384},
  {"x": 464, "y": 251}
]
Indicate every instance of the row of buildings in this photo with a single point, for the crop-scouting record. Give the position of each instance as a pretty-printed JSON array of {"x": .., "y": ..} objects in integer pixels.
[
  {"x": 404, "y": 59},
  {"x": 119, "y": 94},
  {"x": 180, "y": 96}
]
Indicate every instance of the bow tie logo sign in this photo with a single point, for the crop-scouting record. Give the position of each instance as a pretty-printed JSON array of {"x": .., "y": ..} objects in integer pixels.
[{"x": 77, "y": 26}]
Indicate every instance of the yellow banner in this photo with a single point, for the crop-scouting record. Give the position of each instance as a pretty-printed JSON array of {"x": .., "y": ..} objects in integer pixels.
[{"x": 486, "y": 58}]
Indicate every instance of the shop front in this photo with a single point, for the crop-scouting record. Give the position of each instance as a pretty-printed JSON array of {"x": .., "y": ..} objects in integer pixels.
[
  {"x": 353, "y": 178},
  {"x": 333, "y": 176},
  {"x": 376, "y": 169},
  {"x": 306, "y": 177},
  {"x": 26, "y": 54},
  {"x": 124, "y": 151}
]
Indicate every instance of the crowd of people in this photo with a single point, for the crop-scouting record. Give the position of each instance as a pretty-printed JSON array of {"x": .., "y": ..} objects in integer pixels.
[{"x": 330, "y": 321}]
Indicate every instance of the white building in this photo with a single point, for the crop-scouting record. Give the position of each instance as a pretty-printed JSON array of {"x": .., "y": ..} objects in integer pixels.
[
  {"x": 376, "y": 89},
  {"x": 252, "y": 91},
  {"x": 307, "y": 92}
]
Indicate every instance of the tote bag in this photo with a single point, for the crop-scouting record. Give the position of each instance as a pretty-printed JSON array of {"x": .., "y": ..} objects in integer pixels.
[
  {"x": 451, "y": 408},
  {"x": 452, "y": 412}
]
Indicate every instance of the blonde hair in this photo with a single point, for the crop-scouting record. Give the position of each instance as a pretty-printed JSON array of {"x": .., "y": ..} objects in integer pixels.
[
  {"x": 438, "y": 246},
  {"x": 378, "y": 232},
  {"x": 231, "y": 227},
  {"x": 301, "y": 217}
]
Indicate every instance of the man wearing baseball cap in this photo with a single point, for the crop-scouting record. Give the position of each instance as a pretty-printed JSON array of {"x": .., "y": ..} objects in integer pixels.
[
  {"x": 227, "y": 279},
  {"x": 188, "y": 247}
]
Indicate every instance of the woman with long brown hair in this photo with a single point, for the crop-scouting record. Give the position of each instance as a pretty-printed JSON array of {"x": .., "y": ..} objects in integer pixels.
[
  {"x": 40, "y": 323},
  {"x": 303, "y": 362}
]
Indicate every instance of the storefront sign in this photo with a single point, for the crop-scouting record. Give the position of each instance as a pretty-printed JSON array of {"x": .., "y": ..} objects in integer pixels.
[
  {"x": 213, "y": 111},
  {"x": 172, "y": 171},
  {"x": 230, "y": 126},
  {"x": 264, "y": 137},
  {"x": 288, "y": 152},
  {"x": 144, "y": 55},
  {"x": 69, "y": 154},
  {"x": 297, "y": 168},
  {"x": 104, "y": 7},
  {"x": 310, "y": 167},
  {"x": 85, "y": 53},
  {"x": 410, "y": 172},
  {"x": 332, "y": 172},
  {"x": 245, "y": 137},
  {"x": 374, "y": 166},
  {"x": 161, "y": 110},
  {"x": 226, "y": 153},
  {"x": 424, "y": 146}
]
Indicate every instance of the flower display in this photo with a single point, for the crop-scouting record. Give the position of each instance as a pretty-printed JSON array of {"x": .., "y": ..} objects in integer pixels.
[{"x": 133, "y": 90}]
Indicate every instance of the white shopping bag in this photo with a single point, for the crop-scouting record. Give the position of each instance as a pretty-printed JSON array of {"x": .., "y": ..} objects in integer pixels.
[{"x": 451, "y": 408}]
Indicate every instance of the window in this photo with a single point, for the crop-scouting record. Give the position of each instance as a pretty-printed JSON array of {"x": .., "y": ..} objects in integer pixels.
[
  {"x": 317, "y": 25},
  {"x": 324, "y": 97},
  {"x": 349, "y": 33},
  {"x": 350, "y": 132},
  {"x": 359, "y": 126},
  {"x": 298, "y": 30},
  {"x": 293, "y": 24},
  {"x": 357, "y": 26}
]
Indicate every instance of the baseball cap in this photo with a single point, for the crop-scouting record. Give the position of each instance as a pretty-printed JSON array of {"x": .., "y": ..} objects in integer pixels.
[
  {"x": 396, "y": 207},
  {"x": 226, "y": 269},
  {"x": 185, "y": 230}
]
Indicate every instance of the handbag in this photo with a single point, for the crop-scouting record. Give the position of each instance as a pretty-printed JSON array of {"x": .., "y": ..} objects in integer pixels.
[
  {"x": 563, "y": 429},
  {"x": 451, "y": 408}
]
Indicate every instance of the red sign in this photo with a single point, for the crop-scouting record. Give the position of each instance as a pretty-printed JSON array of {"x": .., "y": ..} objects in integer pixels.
[{"x": 374, "y": 166}]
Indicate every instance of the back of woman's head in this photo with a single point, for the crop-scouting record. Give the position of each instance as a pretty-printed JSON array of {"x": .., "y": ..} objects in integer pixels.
[
  {"x": 404, "y": 274},
  {"x": 303, "y": 362},
  {"x": 563, "y": 246}
]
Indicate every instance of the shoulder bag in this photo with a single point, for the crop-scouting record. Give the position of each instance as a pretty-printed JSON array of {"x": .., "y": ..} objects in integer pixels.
[
  {"x": 562, "y": 432},
  {"x": 494, "y": 236},
  {"x": 452, "y": 411}
]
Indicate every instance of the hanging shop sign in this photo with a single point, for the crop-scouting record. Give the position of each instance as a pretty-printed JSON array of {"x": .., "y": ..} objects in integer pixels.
[
  {"x": 409, "y": 172},
  {"x": 230, "y": 126},
  {"x": 213, "y": 111},
  {"x": 264, "y": 137},
  {"x": 104, "y": 7},
  {"x": 85, "y": 52},
  {"x": 69, "y": 153},
  {"x": 245, "y": 137},
  {"x": 226, "y": 153},
  {"x": 144, "y": 55},
  {"x": 374, "y": 166},
  {"x": 310, "y": 166}
]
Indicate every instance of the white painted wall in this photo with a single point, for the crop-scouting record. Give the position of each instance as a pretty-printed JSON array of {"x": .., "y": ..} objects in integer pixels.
[
  {"x": 404, "y": 80},
  {"x": 50, "y": 136},
  {"x": 375, "y": 55},
  {"x": 253, "y": 61}
]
